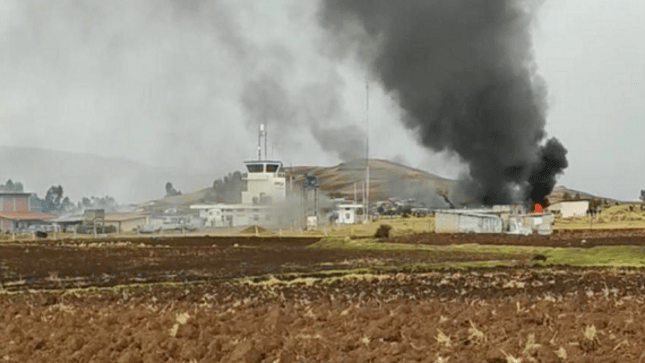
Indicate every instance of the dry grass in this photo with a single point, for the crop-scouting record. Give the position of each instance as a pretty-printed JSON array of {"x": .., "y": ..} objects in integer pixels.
[
  {"x": 400, "y": 226},
  {"x": 619, "y": 216}
]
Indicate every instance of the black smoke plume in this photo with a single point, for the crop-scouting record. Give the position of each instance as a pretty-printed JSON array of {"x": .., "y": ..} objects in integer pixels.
[
  {"x": 542, "y": 179},
  {"x": 463, "y": 72}
]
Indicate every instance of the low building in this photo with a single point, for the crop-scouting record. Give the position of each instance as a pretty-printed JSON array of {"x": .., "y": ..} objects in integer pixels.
[
  {"x": 122, "y": 222},
  {"x": 458, "y": 221},
  {"x": 345, "y": 213},
  {"x": 68, "y": 223},
  {"x": 16, "y": 221},
  {"x": 16, "y": 213},
  {"x": 499, "y": 219},
  {"x": 568, "y": 209},
  {"x": 235, "y": 215},
  {"x": 172, "y": 221},
  {"x": 126, "y": 222}
]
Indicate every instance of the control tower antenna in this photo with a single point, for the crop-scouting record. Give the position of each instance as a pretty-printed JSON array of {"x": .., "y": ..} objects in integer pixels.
[
  {"x": 262, "y": 137},
  {"x": 260, "y": 141}
]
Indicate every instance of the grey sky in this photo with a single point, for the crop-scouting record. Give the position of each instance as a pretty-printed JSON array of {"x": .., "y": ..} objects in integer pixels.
[{"x": 161, "y": 83}]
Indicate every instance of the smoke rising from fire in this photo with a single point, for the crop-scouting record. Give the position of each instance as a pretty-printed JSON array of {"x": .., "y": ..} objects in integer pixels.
[{"x": 465, "y": 75}]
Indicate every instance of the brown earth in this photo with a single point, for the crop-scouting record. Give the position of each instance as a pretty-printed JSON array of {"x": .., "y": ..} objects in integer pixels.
[
  {"x": 79, "y": 263},
  {"x": 57, "y": 264},
  {"x": 563, "y": 238},
  {"x": 488, "y": 316},
  {"x": 494, "y": 315}
]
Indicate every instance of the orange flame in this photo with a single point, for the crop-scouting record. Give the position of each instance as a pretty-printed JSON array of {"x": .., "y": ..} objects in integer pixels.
[{"x": 537, "y": 208}]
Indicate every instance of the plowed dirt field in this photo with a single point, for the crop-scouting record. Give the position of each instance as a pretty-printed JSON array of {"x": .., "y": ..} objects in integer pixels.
[{"x": 258, "y": 300}]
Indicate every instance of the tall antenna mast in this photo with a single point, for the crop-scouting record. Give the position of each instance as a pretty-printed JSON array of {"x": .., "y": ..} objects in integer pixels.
[
  {"x": 367, "y": 151},
  {"x": 260, "y": 142}
]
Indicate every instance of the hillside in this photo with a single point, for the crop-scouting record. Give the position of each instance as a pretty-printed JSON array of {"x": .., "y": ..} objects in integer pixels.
[
  {"x": 183, "y": 201},
  {"x": 387, "y": 179},
  {"x": 559, "y": 192}
]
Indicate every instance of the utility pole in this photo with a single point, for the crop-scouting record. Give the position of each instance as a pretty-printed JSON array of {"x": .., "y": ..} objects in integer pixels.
[
  {"x": 367, "y": 151},
  {"x": 355, "y": 200}
]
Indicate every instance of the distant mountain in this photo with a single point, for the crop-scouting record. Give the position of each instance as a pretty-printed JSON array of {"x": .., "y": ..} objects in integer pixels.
[
  {"x": 387, "y": 179},
  {"x": 561, "y": 193},
  {"x": 83, "y": 174}
]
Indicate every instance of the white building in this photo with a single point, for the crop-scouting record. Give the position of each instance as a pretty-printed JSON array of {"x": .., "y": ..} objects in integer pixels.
[
  {"x": 265, "y": 183},
  {"x": 235, "y": 215},
  {"x": 570, "y": 209},
  {"x": 265, "y": 193},
  {"x": 346, "y": 213},
  {"x": 499, "y": 219}
]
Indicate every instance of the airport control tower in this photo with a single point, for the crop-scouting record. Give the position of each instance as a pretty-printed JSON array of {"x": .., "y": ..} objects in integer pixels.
[{"x": 265, "y": 180}]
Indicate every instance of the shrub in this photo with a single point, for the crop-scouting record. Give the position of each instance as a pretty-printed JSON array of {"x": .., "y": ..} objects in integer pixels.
[{"x": 383, "y": 231}]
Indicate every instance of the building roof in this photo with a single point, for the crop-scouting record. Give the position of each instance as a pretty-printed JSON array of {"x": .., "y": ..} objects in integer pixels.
[
  {"x": 263, "y": 162},
  {"x": 27, "y": 216},
  {"x": 122, "y": 217},
  {"x": 12, "y": 194},
  {"x": 109, "y": 217},
  {"x": 349, "y": 205},
  {"x": 230, "y": 206},
  {"x": 69, "y": 219}
]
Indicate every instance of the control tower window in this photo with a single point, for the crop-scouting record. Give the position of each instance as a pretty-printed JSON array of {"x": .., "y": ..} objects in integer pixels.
[
  {"x": 272, "y": 168},
  {"x": 255, "y": 168}
]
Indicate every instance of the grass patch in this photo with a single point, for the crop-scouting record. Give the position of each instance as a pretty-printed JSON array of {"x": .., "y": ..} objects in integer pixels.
[
  {"x": 615, "y": 217},
  {"x": 586, "y": 223},
  {"x": 400, "y": 226},
  {"x": 367, "y": 244},
  {"x": 610, "y": 256}
]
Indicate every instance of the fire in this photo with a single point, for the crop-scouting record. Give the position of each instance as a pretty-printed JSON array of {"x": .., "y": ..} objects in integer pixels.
[{"x": 537, "y": 208}]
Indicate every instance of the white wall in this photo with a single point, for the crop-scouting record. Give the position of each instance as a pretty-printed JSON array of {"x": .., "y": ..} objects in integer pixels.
[{"x": 574, "y": 209}]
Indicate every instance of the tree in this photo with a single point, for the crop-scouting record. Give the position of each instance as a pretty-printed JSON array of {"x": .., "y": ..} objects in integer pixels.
[
  {"x": 53, "y": 198},
  {"x": 229, "y": 188},
  {"x": 11, "y": 187},
  {"x": 577, "y": 196},
  {"x": 566, "y": 196},
  {"x": 643, "y": 195},
  {"x": 170, "y": 190},
  {"x": 594, "y": 206}
]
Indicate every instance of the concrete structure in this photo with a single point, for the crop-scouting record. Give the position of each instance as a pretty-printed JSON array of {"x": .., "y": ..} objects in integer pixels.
[
  {"x": 265, "y": 193},
  {"x": 312, "y": 222},
  {"x": 16, "y": 214},
  {"x": 68, "y": 223},
  {"x": 125, "y": 222},
  {"x": 499, "y": 219},
  {"x": 265, "y": 183},
  {"x": 449, "y": 221},
  {"x": 236, "y": 215},
  {"x": 122, "y": 222},
  {"x": 172, "y": 221},
  {"x": 345, "y": 213},
  {"x": 568, "y": 209},
  {"x": 15, "y": 221}
]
